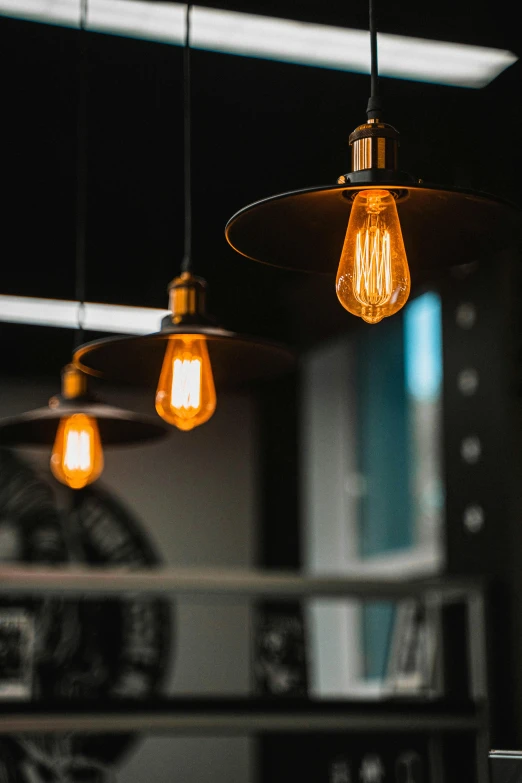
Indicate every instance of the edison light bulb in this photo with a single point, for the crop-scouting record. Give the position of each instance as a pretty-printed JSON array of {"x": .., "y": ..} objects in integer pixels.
[
  {"x": 77, "y": 457},
  {"x": 186, "y": 396},
  {"x": 373, "y": 279}
]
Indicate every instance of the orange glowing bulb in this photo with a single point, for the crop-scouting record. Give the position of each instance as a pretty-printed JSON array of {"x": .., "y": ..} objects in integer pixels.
[
  {"x": 186, "y": 396},
  {"x": 77, "y": 457},
  {"x": 373, "y": 279}
]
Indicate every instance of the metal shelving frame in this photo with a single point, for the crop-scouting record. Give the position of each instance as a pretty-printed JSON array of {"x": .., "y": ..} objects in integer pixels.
[{"x": 253, "y": 715}]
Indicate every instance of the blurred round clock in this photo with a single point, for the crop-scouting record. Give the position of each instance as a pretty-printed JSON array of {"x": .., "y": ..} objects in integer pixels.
[{"x": 53, "y": 648}]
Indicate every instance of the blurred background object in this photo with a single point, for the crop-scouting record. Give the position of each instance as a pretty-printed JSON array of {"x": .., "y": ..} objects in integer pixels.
[{"x": 394, "y": 451}]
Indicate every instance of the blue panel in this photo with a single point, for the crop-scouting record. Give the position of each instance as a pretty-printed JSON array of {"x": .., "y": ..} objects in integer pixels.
[
  {"x": 377, "y": 620},
  {"x": 423, "y": 347},
  {"x": 385, "y": 512},
  {"x": 399, "y": 373}
]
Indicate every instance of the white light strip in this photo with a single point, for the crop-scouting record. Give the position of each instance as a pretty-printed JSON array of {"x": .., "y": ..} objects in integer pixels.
[
  {"x": 164, "y": 22},
  {"x": 345, "y": 49},
  {"x": 266, "y": 37},
  {"x": 116, "y": 319},
  {"x": 62, "y": 12}
]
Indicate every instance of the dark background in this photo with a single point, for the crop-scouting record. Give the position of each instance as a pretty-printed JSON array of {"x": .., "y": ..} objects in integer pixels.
[{"x": 259, "y": 127}]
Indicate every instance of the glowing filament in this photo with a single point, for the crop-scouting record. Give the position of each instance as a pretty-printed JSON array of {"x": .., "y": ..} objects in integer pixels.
[
  {"x": 77, "y": 457},
  {"x": 372, "y": 282},
  {"x": 186, "y": 384},
  {"x": 77, "y": 451},
  {"x": 186, "y": 396},
  {"x": 373, "y": 279}
]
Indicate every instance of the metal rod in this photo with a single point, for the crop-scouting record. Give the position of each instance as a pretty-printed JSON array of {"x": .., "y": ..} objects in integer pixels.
[
  {"x": 374, "y": 108},
  {"x": 187, "y": 145},
  {"x": 81, "y": 173},
  {"x": 373, "y": 50},
  {"x": 238, "y": 722},
  {"x": 217, "y": 582},
  {"x": 477, "y": 666}
]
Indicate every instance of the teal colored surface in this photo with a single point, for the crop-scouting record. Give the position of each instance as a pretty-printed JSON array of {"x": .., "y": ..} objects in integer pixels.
[
  {"x": 423, "y": 347},
  {"x": 377, "y": 619},
  {"x": 399, "y": 363},
  {"x": 385, "y": 521}
]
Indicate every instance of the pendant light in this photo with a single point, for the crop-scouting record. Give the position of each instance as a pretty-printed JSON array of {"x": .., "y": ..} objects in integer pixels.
[
  {"x": 75, "y": 424},
  {"x": 375, "y": 224},
  {"x": 76, "y": 427},
  {"x": 190, "y": 357}
]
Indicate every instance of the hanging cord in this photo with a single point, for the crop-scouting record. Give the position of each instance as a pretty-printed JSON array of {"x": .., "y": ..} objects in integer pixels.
[
  {"x": 186, "y": 265},
  {"x": 81, "y": 174},
  {"x": 374, "y": 109}
]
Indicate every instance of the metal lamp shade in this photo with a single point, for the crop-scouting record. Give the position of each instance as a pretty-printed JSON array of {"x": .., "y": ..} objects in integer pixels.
[
  {"x": 442, "y": 227},
  {"x": 236, "y": 360},
  {"x": 117, "y": 427}
]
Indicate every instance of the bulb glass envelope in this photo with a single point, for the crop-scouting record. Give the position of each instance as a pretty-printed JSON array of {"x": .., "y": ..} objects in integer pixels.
[
  {"x": 236, "y": 359},
  {"x": 117, "y": 427},
  {"x": 442, "y": 226}
]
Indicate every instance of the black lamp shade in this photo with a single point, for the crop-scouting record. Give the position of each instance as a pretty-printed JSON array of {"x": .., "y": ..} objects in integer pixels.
[
  {"x": 442, "y": 227},
  {"x": 117, "y": 427},
  {"x": 236, "y": 360}
]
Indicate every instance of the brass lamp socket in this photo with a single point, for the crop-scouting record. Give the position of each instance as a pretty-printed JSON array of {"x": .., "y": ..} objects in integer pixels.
[
  {"x": 74, "y": 382},
  {"x": 374, "y": 146},
  {"x": 187, "y": 298},
  {"x": 74, "y": 387}
]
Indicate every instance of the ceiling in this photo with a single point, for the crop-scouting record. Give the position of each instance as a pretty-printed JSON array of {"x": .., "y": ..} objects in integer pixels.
[{"x": 259, "y": 127}]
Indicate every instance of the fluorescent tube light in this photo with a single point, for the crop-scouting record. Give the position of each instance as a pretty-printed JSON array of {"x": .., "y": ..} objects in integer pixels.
[
  {"x": 344, "y": 49},
  {"x": 60, "y": 12},
  {"x": 284, "y": 40},
  {"x": 163, "y": 22},
  {"x": 116, "y": 319}
]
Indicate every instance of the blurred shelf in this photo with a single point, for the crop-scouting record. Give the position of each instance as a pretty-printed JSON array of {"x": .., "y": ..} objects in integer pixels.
[
  {"x": 241, "y": 716},
  {"x": 221, "y": 582}
]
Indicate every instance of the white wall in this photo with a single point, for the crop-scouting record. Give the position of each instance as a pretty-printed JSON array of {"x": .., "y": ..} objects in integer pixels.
[
  {"x": 329, "y": 503},
  {"x": 195, "y": 495},
  {"x": 332, "y": 489}
]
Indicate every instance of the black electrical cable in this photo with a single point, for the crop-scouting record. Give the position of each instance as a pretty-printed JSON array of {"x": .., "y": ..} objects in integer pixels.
[
  {"x": 186, "y": 264},
  {"x": 81, "y": 173},
  {"x": 374, "y": 109}
]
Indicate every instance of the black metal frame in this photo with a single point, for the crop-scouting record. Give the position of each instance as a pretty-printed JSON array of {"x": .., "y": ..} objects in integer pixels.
[
  {"x": 483, "y": 463},
  {"x": 461, "y": 719}
]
